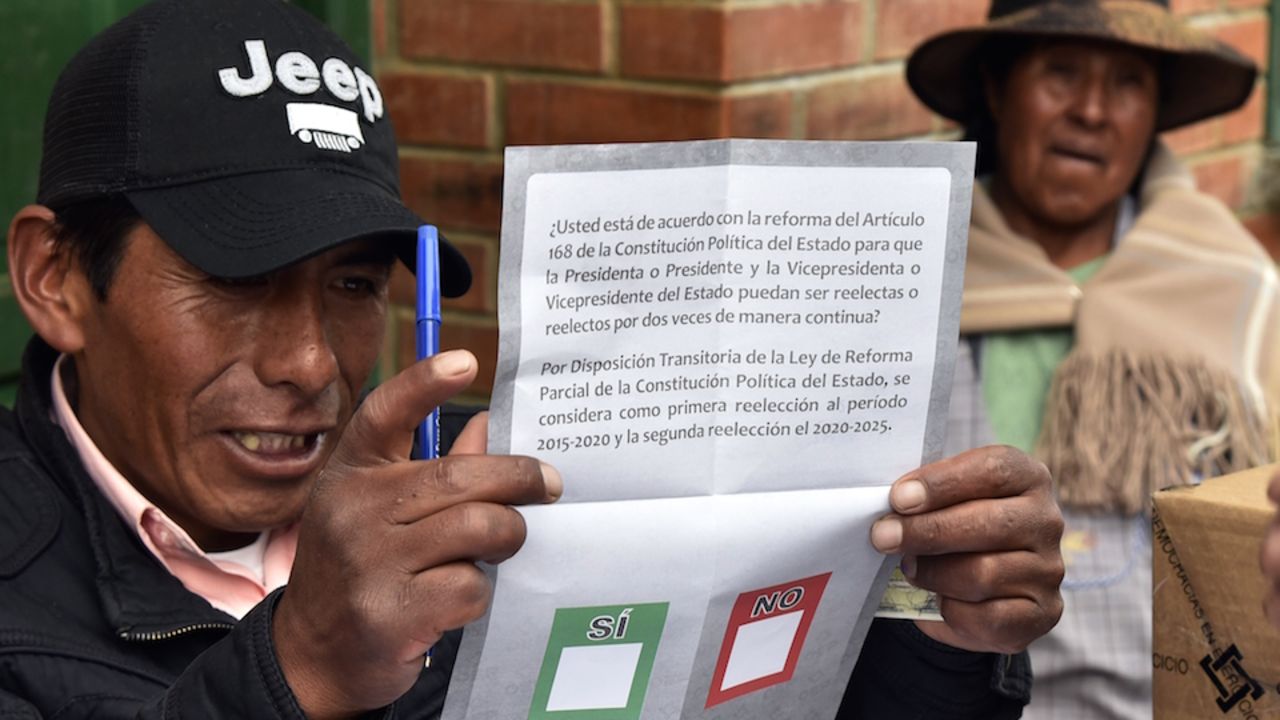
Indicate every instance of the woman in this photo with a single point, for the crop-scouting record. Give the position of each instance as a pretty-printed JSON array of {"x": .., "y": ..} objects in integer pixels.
[{"x": 1126, "y": 327}]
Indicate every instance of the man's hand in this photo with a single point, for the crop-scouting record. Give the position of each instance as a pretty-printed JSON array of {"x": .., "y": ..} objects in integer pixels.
[
  {"x": 982, "y": 530},
  {"x": 388, "y": 546},
  {"x": 1269, "y": 558}
]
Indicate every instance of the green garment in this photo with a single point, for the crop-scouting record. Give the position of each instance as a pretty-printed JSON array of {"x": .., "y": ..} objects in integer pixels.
[{"x": 1017, "y": 371}]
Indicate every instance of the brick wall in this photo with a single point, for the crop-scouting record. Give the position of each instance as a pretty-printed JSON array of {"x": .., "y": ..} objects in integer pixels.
[{"x": 464, "y": 78}]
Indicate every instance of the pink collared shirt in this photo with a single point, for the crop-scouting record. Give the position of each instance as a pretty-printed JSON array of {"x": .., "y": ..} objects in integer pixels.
[{"x": 231, "y": 585}]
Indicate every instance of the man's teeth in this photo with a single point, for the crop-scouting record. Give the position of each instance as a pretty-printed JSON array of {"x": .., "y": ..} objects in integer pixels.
[{"x": 266, "y": 442}]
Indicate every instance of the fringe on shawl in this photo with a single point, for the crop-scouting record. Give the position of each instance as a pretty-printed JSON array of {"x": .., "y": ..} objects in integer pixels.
[{"x": 1121, "y": 426}]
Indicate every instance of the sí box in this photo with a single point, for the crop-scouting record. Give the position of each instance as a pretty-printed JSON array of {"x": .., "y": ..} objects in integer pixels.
[{"x": 1214, "y": 654}]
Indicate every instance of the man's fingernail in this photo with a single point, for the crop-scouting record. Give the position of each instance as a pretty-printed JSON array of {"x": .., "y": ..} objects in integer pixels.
[
  {"x": 886, "y": 535},
  {"x": 908, "y": 566},
  {"x": 453, "y": 362},
  {"x": 907, "y": 495},
  {"x": 552, "y": 481}
]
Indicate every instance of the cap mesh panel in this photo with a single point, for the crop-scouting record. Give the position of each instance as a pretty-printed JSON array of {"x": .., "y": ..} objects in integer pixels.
[{"x": 89, "y": 133}]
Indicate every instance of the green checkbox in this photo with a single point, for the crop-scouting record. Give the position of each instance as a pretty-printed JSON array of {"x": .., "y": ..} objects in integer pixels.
[{"x": 598, "y": 662}]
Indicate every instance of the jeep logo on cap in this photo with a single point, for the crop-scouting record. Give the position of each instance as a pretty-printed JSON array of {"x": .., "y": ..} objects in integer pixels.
[
  {"x": 325, "y": 126},
  {"x": 299, "y": 74}
]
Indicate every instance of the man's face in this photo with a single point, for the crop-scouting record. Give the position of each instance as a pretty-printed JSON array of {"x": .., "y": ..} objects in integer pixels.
[
  {"x": 220, "y": 400},
  {"x": 1074, "y": 122}
]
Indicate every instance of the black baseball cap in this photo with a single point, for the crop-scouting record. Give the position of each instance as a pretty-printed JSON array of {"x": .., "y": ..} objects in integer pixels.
[{"x": 245, "y": 132}]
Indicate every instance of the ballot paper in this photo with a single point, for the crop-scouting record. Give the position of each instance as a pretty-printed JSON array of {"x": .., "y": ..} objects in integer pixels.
[{"x": 729, "y": 349}]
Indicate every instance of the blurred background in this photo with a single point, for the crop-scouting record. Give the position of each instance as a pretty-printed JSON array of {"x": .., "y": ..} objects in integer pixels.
[{"x": 463, "y": 79}]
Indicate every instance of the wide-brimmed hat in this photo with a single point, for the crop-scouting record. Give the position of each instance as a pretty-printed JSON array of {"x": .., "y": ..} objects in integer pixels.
[
  {"x": 1202, "y": 76},
  {"x": 245, "y": 132}
]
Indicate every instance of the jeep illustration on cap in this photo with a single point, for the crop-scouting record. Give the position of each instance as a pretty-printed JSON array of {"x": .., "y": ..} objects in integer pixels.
[{"x": 325, "y": 126}]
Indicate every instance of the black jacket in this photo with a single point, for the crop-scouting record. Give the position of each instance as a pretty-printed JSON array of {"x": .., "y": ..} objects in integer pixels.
[{"x": 91, "y": 625}]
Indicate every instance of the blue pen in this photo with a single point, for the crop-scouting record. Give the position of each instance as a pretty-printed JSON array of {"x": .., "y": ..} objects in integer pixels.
[{"x": 428, "y": 322}]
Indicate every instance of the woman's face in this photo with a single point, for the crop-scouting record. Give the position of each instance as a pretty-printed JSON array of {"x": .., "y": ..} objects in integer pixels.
[{"x": 1074, "y": 121}]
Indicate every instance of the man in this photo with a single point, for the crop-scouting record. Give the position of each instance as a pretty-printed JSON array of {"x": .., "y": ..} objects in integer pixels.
[{"x": 206, "y": 272}]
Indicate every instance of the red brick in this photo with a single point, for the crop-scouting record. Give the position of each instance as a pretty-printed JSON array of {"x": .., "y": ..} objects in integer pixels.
[
  {"x": 453, "y": 193},
  {"x": 869, "y": 108},
  {"x": 903, "y": 24},
  {"x": 1223, "y": 178},
  {"x": 524, "y": 33},
  {"x": 1191, "y": 7},
  {"x": 765, "y": 115},
  {"x": 1267, "y": 229},
  {"x": 1249, "y": 122},
  {"x": 378, "y": 26},
  {"x": 673, "y": 42},
  {"x": 730, "y": 44},
  {"x": 437, "y": 109},
  {"x": 793, "y": 38},
  {"x": 548, "y": 113},
  {"x": 479, "y": 339},
  {"x": 481, "y": 296},
  {"x": 484, "y": 292},
  {"x": 466, "y": 332},
  {"x": 1248, "y": 35},
  {"x": 1195, "y": 138},
  {"x": 541, "y": 112}
]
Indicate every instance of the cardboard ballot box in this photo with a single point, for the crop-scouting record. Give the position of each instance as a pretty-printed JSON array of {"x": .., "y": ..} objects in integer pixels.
[{"x": 1214, "y": 653}]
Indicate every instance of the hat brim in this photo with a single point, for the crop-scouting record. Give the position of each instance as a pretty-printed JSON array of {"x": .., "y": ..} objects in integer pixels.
[
  {"x": 245, "y": 225},
  {"x": 1206, "y": 77}
]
